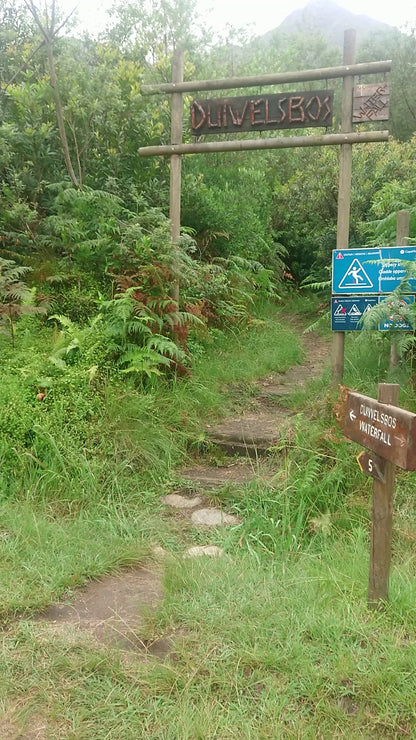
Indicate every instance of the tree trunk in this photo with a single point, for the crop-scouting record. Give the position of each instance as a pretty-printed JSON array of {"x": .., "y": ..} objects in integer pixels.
[{"x": 60, "y": 115}]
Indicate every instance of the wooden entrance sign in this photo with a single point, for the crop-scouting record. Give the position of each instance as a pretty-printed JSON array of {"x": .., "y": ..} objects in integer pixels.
[
  {"x": 389, "y": 432},
  {"x": 262, "y": 112}
]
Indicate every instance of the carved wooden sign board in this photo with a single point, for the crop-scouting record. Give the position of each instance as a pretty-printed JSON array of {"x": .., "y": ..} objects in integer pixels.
[
  {"x": 371, "y": 103},
  {"x": 387, "y": 430},
  {"x": 262, "y": 112}
]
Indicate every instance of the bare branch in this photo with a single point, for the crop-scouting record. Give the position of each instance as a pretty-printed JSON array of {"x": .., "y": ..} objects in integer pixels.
[
  {"x": 33, "y": 9},
  {"x": 64, "y": 22},
  {"x": 50, "y": 27},
  {"x": 52, "y": 23},
  {"x": 35, "y": 51}
]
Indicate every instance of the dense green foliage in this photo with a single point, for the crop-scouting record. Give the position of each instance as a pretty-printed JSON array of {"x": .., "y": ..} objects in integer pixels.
[{"x": 288, "y": 198}]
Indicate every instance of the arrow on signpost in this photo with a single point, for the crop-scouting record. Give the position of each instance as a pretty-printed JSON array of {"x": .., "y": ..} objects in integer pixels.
[
  {"x": 352, "y": 415},
  {"x": 401, "y": 441}
]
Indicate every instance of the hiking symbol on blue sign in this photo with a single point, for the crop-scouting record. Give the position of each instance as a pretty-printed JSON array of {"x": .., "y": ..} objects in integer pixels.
[{"x": 356, "y": 277}]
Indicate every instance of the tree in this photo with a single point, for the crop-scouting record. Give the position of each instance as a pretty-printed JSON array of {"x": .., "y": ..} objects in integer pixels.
[
  {"x": 49, "y": 28},
  {"x": 401, "y": 49}
]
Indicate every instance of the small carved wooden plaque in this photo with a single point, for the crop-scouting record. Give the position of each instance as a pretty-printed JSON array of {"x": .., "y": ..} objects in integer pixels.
[{"x": 371, "y": 103}]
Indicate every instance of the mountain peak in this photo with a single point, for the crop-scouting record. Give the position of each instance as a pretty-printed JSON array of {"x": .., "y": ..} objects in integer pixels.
[{"x": 329, "y": 19}]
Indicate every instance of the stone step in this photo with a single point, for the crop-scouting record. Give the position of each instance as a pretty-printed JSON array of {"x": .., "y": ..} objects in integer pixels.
[
  {"x": 252, "y": 434},
  {"x": 200, "y": 515},
  {"x": 207, "y": 478}
]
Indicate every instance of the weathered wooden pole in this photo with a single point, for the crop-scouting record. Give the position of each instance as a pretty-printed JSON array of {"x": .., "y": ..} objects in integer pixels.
[
  {"x": 283, "y": 142},
  {"x": 402, "y": 238},
  {"x": 344, "y": 190},
  {"x": 382, "y": 518},
  {"x": 279, "y": 78},
  {"x": 176, "y": 162},
  {"x": 402, "y": 229}
]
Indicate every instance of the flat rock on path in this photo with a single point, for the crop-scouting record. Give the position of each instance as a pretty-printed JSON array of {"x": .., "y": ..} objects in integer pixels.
[
  {"x": 251, "y": 434},
  {"x": 112, "y": 609},
  {"x": 210, "y": 551},
  {"x": 209, "y": 516},
  {"x": 212, "y": 517},
  {"x": 176, "y": 501},
  {"x": 207, "y": 478}
]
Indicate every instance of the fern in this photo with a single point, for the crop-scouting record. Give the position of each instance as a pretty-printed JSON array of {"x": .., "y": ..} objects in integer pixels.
[
  {"x": 143, "y": 361},
  {"x": 16, "y": 298},
  {"x": 323, "y": 320},
  {"x": 322, "y": 285},
  {"x": 68, "y": 325},
  {"x": 166, "y": 346}
]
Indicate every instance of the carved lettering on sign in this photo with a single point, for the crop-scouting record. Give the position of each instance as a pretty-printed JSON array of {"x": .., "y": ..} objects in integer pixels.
[
  {"x": 371, "y": 103},
  {"x": 262, "y": 113},
  {"x": 387, "y": 430}
]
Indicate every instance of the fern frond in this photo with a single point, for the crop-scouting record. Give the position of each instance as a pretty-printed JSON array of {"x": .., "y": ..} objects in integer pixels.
[
  {"x": 166, "y": 346},
  {"x": 322, "y": 285},
  {"x": 63, "y": 320},
  {"x": 323, "y": 320},
  {"x": 143, "y": 360}
]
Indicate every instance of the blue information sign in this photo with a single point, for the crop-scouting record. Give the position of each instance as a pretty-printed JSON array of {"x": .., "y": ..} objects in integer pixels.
[
  {"x": 368, "y": 271},
  {"x": 347, "y": 311}
]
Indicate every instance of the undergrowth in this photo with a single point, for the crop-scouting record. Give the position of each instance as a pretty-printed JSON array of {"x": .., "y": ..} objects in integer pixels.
[{"x": 274, "y": 640}]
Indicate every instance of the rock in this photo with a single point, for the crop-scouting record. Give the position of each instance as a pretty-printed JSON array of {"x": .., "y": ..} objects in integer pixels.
[
  {"x": 213, "y": 518},
  {"x": 181, "y": 502},
  {"x": 209, "y": 478},
  {"x": 211, "y": 551},
  {"x": 252, "y": 434}
]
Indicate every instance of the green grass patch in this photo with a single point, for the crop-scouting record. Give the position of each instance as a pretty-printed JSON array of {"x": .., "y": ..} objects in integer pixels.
[
  {"x": 273, "y": 640},
  {"x": 287, "y": 649}
]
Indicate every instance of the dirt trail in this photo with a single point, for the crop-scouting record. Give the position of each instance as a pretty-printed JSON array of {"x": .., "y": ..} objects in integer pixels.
[{"x": 112, "y": 610}]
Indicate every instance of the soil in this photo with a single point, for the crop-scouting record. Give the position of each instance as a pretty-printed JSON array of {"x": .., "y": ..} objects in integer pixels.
[{"x": 113, "y": 609}]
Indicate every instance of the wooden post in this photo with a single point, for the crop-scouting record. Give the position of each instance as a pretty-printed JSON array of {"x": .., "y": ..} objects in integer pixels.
[
  {"x": 344, "y": 190},
  {"x": 175, "y": 160},
  {"x": 402, "y": 229},
  {"x": 402, "y": 238},
  {"x": 382, "y": 519}
]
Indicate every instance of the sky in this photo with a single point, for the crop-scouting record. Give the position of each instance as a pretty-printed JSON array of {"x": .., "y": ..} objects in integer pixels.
[{"x": 258, "y": 16}]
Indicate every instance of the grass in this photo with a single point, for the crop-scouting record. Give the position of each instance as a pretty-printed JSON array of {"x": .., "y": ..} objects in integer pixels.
[
  {"x": 274, "y": 640},
  {"x": 282, "y": 650}
]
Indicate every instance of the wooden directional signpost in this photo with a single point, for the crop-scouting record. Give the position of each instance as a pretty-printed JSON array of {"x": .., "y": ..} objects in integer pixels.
[{"x": 389, "y": 433}]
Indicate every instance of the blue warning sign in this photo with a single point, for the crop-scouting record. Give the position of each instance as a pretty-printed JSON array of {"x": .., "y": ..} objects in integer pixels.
[
  {"x": 375, "y": 270},
  {"x": 346, "y": 313}
]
